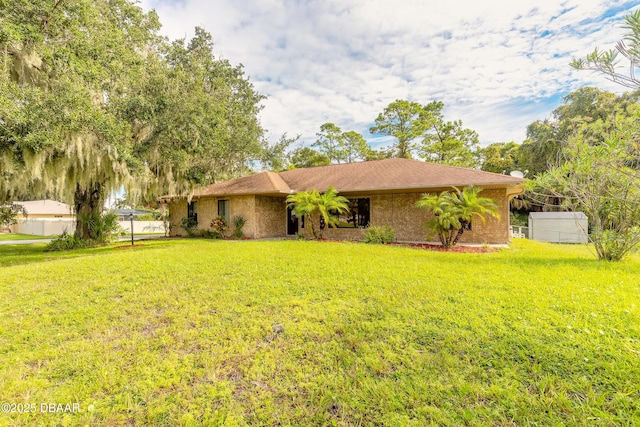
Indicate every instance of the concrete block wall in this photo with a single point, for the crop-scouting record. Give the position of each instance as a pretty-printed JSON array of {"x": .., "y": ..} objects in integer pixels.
[
  {"x": 400, "y": 212},
  {"x": 271, "y": 217},
  {"x": 207, "y": 209},
  {"x": 266, "y": 217}
]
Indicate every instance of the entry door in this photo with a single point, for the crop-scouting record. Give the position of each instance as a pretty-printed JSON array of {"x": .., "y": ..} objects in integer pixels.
[{"x": 292, "y": 222}]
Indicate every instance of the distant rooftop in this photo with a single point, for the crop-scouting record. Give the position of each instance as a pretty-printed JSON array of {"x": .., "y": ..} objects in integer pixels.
[{"x": 44, "y": 207}]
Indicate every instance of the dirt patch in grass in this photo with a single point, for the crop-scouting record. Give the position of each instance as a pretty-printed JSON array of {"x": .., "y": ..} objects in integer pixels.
[
  {"x": 440, "y": 248},
  {"x": 128, "y": 246},
  {"x": 430, "y": 247}
]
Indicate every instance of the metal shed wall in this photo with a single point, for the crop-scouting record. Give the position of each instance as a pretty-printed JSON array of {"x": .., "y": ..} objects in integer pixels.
[{"x": 558, "y": 227}]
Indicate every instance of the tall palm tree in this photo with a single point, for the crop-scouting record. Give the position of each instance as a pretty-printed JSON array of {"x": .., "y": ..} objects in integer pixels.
[
  {"x": 453, "y": 212},
  {"x": 314, "y": 205}
]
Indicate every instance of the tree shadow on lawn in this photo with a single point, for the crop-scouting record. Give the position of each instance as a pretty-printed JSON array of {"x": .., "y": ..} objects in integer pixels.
[{"x": 11, "y": 255}]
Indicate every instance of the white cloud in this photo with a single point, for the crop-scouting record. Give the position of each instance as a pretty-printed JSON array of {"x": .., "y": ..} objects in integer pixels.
[{"x": 494, "y": 64}]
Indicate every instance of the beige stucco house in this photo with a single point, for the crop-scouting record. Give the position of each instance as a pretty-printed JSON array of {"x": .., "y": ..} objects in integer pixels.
[
  {"x": 381, "y": 192},
  {"x": 45, "y": 218}
]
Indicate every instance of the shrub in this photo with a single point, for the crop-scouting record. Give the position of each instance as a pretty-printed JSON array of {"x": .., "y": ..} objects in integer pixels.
[
  {"x": 146, "y": 217},
  {"x": 102, "y": 228},
  {"x": 66, "y": 242},
  {"x": 219, "y": 226},
  {"x": 238, "y": 222},
  {"x": 189, "y": 225},
  {"x": 207, "y": 234},
  {"x": 379, "y": 234}
]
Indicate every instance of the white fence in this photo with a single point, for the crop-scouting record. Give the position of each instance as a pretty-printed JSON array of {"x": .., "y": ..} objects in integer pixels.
[
  {"x": 45, "y": 226},
  {"x": 57, "y": 226}
]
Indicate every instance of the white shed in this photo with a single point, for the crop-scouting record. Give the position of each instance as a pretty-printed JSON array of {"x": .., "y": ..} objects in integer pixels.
[{"x": 558, "y": 227}]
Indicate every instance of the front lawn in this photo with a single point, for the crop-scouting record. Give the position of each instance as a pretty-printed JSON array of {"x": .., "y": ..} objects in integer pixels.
[
  {"x": 199, "y": 332},
  {"x": 18, "y": 236}
]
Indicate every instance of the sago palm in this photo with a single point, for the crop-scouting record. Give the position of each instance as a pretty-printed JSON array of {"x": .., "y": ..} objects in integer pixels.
[
  {"x": 453, "y": 212},
  {"x": 314, "y": 205}
]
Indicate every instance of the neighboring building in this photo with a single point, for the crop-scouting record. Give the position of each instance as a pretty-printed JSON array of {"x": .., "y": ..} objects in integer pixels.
[
  {"x": 45, "y": 218},
  {"x": 125, "y": 214},
  {"x": 559, "y": 227},
  {"x": 381, "y": 192},
  {"x": 47, "y": 209}
]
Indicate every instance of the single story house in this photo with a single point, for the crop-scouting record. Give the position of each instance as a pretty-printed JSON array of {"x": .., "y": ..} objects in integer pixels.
[
  {"x": 45, "y": 218},
  {"x": 381, "y": 192}
]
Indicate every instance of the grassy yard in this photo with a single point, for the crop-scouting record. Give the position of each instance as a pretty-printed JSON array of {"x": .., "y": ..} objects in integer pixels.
[
  {"x": 18, "y": 236},
  {"x": 196, "y": 332}
]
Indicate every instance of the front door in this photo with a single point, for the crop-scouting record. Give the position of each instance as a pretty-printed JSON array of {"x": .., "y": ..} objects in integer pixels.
[{"x": 292, "y": 222}]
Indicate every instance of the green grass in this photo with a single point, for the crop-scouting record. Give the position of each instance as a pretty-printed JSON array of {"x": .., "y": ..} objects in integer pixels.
[
  {"x": 18, "y": 236},
  {"x": 200, "y": 332}
]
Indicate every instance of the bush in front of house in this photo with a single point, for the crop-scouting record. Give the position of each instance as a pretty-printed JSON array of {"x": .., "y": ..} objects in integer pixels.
[
  {"x": 189, "y": 225},
  {"x": 219, "y": 226},
  {"x": 379, "y": 234},
  {"x": 238, "y": 222}
]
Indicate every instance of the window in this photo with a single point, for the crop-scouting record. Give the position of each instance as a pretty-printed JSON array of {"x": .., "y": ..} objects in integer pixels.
[
  {"x": 192, "y": 211},
  {"x": 223, "y": 209},
  {"x": 358, "y": 216}
]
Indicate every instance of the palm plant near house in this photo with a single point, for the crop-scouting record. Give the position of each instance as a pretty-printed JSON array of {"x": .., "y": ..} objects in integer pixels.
[
  {"x": 314, "y": 206},
  {"x": 453, "y": 212}
]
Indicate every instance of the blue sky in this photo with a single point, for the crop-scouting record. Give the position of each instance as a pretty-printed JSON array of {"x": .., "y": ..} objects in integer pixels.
[{"x": 496, "y": 65}]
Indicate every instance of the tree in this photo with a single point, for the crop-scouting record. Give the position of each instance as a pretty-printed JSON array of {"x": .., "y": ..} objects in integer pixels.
[
  {"x": 447, "y": 142},
  {"x": 402, "y": 120},
  {"x": 314, "y": 206},
  {"x": 194, "y": 118},
  {"x": 453, "y": 212},
  {"x": 62, "y": 67},
  {"x": 274, "y": 157},
  {"x": 305, "y": 157},
  {"x": 603, "y": 181},
  {"x": 546, "y": 139},
  {"x": 9, "y": 214},
  {"x": 355, "y": 147},
  {"x": 500, "y": 157},
  {"x": 331, "y": 142},
  {"x": 606, "y": 62},
  {"x": 93, "y": 100}
]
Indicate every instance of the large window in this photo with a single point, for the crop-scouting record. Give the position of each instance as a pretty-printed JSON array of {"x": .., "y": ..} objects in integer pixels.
[
  {"x": 223, "y": 209},
  {"x": 192, "y": 211},
  {"x": 358, "y": 216}
]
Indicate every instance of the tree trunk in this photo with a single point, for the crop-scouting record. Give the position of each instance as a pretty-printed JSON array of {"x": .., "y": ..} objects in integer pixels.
[{"x": 88, "y": 203}]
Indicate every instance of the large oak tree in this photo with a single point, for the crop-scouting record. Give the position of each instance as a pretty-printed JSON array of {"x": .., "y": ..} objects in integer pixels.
[{"x": 92, "y": 99}]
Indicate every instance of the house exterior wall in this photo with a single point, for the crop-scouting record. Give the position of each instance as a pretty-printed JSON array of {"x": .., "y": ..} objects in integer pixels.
[
  {"x": 400, "y": 212},
  {"x": 177, "y": 211},
  {"x": 246, "y": 207},
  {"x": 271, "y": 217},
  {"x": 47, "y": 216},
  {"x": 495, "y": 231},
  {"x": 266, "y": 217},
  {"x": 208, "y": 209}
]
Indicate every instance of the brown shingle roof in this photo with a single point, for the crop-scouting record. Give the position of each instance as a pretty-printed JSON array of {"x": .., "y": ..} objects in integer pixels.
[
  {"x": 378, "y": 175},
  {"x": 260, "y": 183},
  {"x": 390, "y": 174}
]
